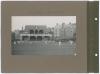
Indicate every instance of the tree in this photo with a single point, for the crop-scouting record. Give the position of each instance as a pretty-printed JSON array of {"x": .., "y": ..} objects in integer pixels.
[{"x": 13, "y": 37}]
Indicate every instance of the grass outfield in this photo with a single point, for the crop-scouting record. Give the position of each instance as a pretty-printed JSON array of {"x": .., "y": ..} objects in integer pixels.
[{"x": 43, "y": 48}]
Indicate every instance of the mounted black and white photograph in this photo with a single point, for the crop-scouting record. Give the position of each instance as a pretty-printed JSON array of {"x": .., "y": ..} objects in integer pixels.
[{"x": 43, "y": 35}]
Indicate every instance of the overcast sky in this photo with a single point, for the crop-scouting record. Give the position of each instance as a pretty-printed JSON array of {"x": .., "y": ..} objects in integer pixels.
[{"x": 20, "y": 21}]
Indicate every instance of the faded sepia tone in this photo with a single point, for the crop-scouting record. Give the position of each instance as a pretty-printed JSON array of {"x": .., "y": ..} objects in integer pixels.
[{"x": 43, "y": 35}]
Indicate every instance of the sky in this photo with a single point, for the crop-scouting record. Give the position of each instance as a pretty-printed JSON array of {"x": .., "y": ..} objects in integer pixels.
[{"x": 18, "y": 22}]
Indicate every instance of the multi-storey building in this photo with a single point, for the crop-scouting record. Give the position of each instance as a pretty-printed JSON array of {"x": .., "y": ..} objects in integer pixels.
[
  {"x": 65, "y": 31},
  {"x": 37, "y": 32},
  {"x": 41, "y": 32}
]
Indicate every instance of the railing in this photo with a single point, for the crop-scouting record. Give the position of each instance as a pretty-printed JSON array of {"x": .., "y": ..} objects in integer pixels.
[{"x": 35, "y": 34}]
